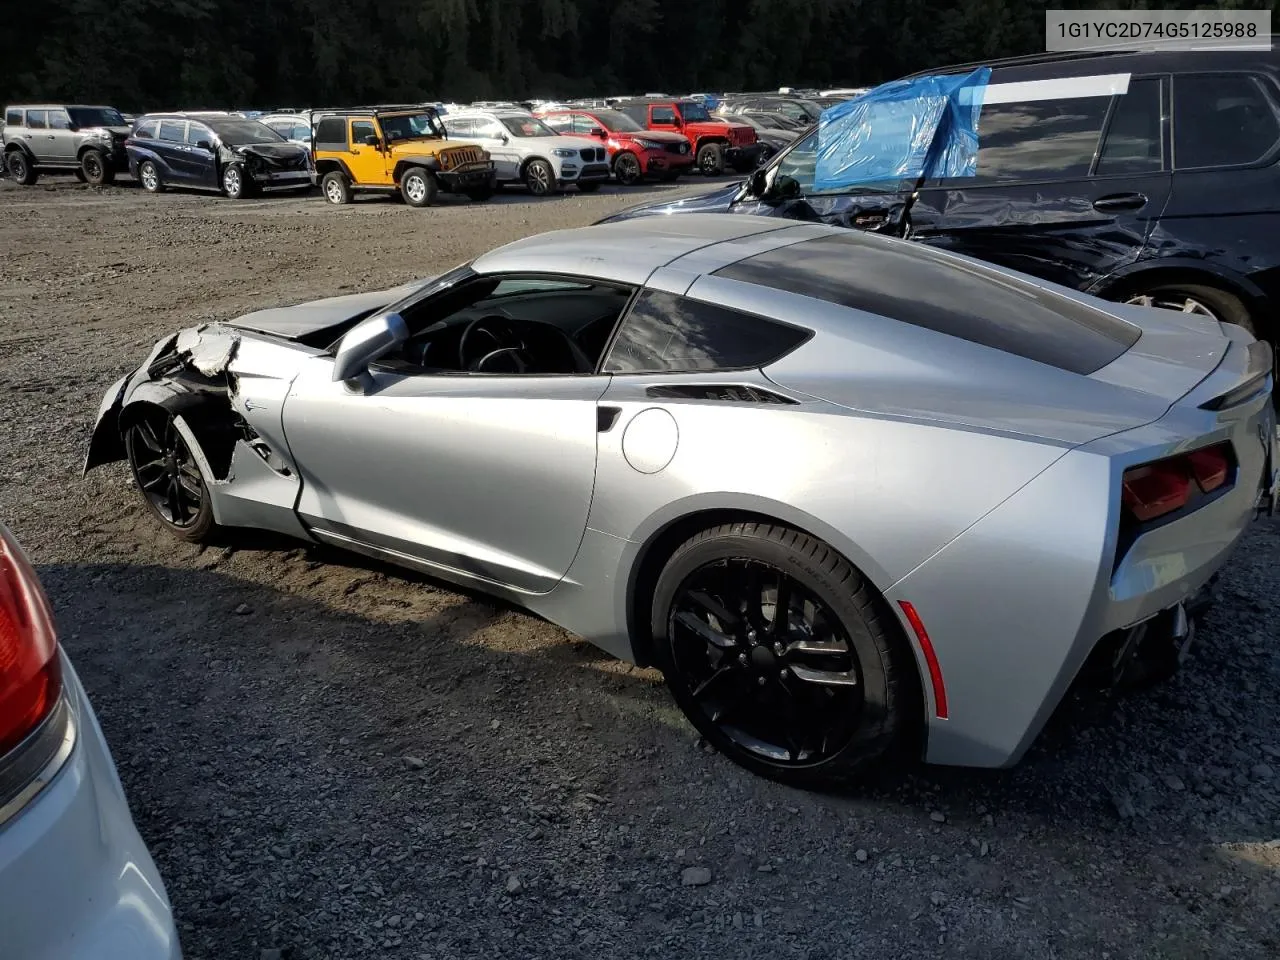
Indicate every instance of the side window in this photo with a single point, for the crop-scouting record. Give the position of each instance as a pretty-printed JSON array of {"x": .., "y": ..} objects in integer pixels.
[
  {"x": 300, "y": 132},
  {"x": 583, "y": 124},
  {"x": 1134, "y": 142},
  {"x": 489, "y": 129},
  {"x": 664, "y": 333},
  {"x": 58, "y": 120},
  {"x": 665, "y": 115},
  {"x": 174, "y": 130},
  {"x": 37, "y": 119},
  {"x": 197, "y": 132},
  {"x": 331, "y": 134},
  {"x": 13, "y": 118},
  {"x": 146, "y": 130},
  {"x": 560, "y": 122},
  {"x": 360, "y": 129},
  {"x": 1039, "y": 139},
  {"x": 1221, "y": 121}
]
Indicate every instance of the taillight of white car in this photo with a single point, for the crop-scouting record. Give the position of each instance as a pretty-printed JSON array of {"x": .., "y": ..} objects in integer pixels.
[{"x": 30, "y": 668}]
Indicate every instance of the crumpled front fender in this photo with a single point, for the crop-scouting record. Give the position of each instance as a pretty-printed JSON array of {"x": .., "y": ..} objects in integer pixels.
[{"x": 106, "y": 444}]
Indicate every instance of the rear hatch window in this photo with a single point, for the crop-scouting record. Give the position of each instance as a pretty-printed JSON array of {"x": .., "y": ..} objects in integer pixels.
[{"x": 914, "y": 284}]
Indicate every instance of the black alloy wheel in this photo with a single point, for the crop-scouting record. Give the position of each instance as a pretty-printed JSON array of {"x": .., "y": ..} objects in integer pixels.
[
  {"x": 168, "y": 477},
  {"x": 627, "y": 169},
  {"x": 780, "y": 654}
]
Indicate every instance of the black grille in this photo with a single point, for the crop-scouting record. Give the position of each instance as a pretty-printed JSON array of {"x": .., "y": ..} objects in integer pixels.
[
  {"x": 589, "y": 154},
  {"x": 677, "y": 148}
]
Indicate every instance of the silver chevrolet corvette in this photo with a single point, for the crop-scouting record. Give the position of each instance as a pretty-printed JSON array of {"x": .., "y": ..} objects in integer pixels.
[{"x": 849, "y": 493}]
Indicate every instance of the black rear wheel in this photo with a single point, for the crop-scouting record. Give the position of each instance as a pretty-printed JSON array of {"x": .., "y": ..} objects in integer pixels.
[
  {"x": 780, "y": 654},
  {"x": 168, "y": 476},
  {"x": 20, "y": 168}
]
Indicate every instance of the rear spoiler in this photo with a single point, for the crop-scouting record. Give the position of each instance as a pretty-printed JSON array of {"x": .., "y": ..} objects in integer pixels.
[{"x": 1261, "y": 363}]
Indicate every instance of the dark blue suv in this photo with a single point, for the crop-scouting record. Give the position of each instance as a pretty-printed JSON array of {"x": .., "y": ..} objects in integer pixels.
[{"x": 1148, "y": 178}]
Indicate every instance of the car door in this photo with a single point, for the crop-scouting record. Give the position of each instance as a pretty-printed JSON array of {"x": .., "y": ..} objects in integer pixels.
[
  {"x": 1225, "y": 200},
  {"x": 1071, "y": 178},
  {"x": 367, "y": 162},
  {"x": 485, "y": 475},
  {"x": 200, "y": 156},
  {"x": 663, "y": 116},
  {"x": 503, "y": 148},
  {"x": 171, "y": 148},
  {"x": 62, "y": 140},
  {"x": 38, "y": 135}
]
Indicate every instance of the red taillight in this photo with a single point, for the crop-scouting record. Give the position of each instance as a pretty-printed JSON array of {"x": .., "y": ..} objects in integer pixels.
[
  {"x": 1155, "y": 489},
  {"x": 30, "y": 675},
  {"x": 1211, "y": 466},
  {"x": 930, "y": 659}
]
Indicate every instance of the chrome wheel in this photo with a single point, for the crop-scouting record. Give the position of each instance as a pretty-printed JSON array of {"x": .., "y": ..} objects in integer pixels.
[
  {"x": 766, "y": 661},
  {"x": 415, "y": 188},
  {"x": 232, "y": 182},
  {"x": 333, "y": 191},
  {"x": 1172, "y": 300},
  {"x": 165, "y": 471},
  {"x": 150, "y": 178}
]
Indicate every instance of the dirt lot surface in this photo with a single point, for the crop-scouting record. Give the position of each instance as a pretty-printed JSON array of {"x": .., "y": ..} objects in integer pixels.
[{"x": 332, "y": 759}]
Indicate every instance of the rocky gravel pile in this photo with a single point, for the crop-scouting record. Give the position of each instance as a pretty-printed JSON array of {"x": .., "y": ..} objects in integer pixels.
[{"x": 332, "y": 759}]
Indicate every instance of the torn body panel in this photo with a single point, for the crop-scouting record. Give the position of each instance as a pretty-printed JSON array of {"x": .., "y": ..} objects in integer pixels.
[{"x": 225, "y": 390}]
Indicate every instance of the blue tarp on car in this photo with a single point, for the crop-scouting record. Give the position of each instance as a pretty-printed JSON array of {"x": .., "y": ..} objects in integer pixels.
[{"x": 923, "y": 127}]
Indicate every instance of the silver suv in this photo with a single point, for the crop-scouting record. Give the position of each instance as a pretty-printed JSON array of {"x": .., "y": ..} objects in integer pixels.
[
  {"x": 525, "y": 150},
  {"x": 46, "y": 137}
]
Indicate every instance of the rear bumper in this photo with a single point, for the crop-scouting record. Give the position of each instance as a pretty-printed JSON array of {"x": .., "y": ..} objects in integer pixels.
[
  {"x": 475, "y": 176},
  {"x": 1016, "y": 604},
  {"x": 76, "y": 880}
]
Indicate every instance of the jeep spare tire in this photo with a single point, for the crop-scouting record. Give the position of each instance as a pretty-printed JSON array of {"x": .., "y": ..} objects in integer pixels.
[{"x": 418, "y": 187}]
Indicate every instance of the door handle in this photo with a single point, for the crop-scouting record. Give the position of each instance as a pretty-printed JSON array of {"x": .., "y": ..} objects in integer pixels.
[
  {"x": 606, "y": 417},
  {"x": 1121, "y": 201}
]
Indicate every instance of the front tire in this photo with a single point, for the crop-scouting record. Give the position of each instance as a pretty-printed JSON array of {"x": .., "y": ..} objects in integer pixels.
[
  {"x": 235, "y": 182},
  {"x": 539, "y": 178},
  {"x": 93, "y": 164},
  {"x": 627, "y": 169},
  {"x": 168, "y": 476},
  {"x": 335, "y": 187},
  {"x": 808, "y": 698},
  {"x": 418, "y": 187},
  {"x": 21, "y": 169},
  {"x": 149, "y": 177},
  {"x": 711, "y": 159}
]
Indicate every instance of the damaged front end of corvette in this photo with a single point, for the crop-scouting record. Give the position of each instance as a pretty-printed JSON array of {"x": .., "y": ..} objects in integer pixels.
[{"x": 224, "y": 391}]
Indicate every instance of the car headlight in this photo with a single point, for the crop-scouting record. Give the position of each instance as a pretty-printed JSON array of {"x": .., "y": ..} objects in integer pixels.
[{"x": 562, "y": 152}]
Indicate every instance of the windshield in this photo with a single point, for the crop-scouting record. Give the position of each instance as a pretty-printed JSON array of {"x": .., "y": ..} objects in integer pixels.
[
  {"x": 407, "y": 126},
  {"x": 693, "y": 111},
  {"x": 241, "y": 131},
  {"x": 617, "y": 120},
  {"x": 527, "y": 127},
  {"x": 96, "y": 117}
]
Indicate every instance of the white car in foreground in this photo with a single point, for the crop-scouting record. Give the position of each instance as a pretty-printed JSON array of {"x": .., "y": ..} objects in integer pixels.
[
  {"x": 525, "y": 150},
  {"x": 76, "y": 880}
]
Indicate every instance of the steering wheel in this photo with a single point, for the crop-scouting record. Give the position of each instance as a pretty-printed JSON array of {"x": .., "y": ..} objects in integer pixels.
[
  {"x": 496, "y": 328},
  {"x": 513, "y": 355}
]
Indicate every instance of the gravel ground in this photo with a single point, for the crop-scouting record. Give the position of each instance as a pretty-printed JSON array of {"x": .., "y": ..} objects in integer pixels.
[{"x": 332, "y": 759}]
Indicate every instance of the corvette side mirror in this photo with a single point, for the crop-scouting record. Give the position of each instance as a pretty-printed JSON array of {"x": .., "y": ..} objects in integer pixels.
[{"x": 365, "y": 343}]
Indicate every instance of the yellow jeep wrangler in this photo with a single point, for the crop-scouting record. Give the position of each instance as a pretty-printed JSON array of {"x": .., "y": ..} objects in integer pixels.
[{"x": 395, "y": 148}]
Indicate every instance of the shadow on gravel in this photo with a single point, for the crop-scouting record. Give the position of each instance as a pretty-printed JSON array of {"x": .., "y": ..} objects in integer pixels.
[{"x": 304, "y": 772}]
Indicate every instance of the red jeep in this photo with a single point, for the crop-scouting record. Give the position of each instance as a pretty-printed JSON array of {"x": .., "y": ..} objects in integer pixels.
[
  {"x": 716, "y": 140},
  {"x": 634, "y": 152}
]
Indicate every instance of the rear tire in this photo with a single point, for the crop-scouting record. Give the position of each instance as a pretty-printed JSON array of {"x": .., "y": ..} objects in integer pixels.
[
  {"x": 335, "y": 187},
  {"x": 418, "y": 187},
  {"x": 1196, "y": 298},
  {"x": 803, "y": 717},
  {"x": 149, "y": 177},
  {"x": 20, "y": 168}
]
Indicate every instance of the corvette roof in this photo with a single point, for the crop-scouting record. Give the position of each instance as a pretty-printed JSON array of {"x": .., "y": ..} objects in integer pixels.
[{"x": 631, "y": 250}]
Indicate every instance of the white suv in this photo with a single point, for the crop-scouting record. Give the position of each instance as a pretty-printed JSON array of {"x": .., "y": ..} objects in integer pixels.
[{"x": 525, "y": 150}]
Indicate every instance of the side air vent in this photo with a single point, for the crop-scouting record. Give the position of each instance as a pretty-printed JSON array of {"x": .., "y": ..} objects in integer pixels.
[{"x": 724, "y": 392}]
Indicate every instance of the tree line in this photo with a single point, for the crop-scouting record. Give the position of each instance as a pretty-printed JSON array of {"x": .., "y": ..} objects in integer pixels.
[{"x": 170, "y": 54}]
